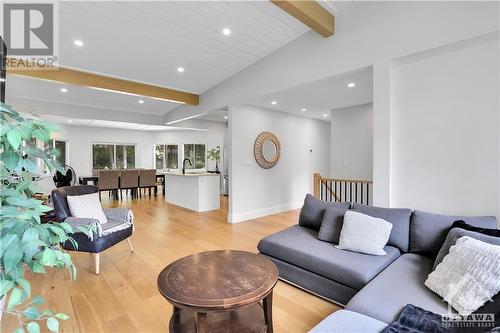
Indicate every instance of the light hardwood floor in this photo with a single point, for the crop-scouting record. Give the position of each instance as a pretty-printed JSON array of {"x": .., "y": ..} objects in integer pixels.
[{"x": 124, "y": 297}]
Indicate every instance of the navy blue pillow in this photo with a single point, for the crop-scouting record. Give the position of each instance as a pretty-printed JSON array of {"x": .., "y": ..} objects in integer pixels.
[{"x": 311, "y": 214}]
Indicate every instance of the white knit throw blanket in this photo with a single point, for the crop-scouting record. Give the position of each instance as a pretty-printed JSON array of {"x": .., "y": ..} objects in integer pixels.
[{"x": 118, "y": 219}]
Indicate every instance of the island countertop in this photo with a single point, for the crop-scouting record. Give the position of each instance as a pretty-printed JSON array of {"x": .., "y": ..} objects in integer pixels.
[
  {"x": 190, "y": 174},
  {"x": 196, "y": 191}
]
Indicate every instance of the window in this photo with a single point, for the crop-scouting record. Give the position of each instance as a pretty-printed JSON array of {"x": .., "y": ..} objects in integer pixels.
[
  {"x": 172, "y": 156},
  {"x": 166, "y": 156},
  {"x": 110, "y": 156},
  {"x": 159, "y": 157},
  {"x": 60, "y": 146},
  {"x": 196, "y": 153}
]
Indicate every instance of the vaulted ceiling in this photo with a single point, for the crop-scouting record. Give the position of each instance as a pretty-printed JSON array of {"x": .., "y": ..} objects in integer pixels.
[{"x": 148, "y": 41}]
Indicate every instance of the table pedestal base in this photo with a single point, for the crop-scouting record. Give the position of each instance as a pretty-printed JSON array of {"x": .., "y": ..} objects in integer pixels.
[{"x": 249, "y": 319}]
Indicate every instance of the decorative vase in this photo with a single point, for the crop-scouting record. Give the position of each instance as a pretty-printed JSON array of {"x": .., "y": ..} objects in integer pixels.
[{"x": 217, "y": 167}]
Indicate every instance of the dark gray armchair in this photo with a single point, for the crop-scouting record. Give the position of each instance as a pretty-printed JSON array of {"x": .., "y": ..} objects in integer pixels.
[{"x": 116, "y": 230}]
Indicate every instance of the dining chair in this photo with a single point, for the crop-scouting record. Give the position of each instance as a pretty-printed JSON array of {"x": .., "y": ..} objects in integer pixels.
[
  {"x": 147, "y": 179},
  {"x": 108, "y": 181},
  {"x": 129, "y": 180}
]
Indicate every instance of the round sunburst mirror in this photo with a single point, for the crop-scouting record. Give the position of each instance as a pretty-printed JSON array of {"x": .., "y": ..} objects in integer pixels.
[{"x": 267, "y": 150}]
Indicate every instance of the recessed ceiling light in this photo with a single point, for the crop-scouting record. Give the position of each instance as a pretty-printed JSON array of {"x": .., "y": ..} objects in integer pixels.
[
  {"x": 274, "y": 102},
  {"x": 325, "y": 114},
  {"x": 225, "y": 117},
  {"x": 180, "y": 69},
  {"x": 226, "y": 31},
  {"x": 303, "y": 109},
  {"x": 351, "y": 84},
  {"x": 78, "y": 42},
  {"x": 64, "y": 90},
  {"x": 70, "y": 121},
  {"x": 141, "y": 101}
]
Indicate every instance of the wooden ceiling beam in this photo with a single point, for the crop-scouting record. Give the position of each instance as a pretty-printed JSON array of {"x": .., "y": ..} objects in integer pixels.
[
  {"x": 97, "y": 81},
  {"x": 311, "y": 13}
]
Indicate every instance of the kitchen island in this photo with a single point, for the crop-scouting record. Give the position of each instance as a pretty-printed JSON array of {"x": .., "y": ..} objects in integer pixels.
[{"x": 195, "y": 191}]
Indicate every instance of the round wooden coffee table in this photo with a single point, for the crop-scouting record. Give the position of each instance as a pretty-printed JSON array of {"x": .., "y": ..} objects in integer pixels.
[{"x": 220, "y": 291}]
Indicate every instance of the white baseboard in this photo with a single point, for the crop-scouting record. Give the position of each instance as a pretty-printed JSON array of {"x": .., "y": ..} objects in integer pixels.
[{"x": 253, "y": 214}]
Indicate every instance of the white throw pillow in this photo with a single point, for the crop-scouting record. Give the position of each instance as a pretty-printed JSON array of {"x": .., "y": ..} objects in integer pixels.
[
  {"x": 363, "y": 233},
  {"x": 468, "y": 276},
  {"x": 88, "y": 206}
]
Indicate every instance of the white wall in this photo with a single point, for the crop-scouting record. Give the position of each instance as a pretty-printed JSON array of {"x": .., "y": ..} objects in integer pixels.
[
  {"x": 352, "y": 142},
  {"x": 369, "y": 33},
  {"x": 445, "y": 129},
  {"x": 80, "y": 139},
  {"x": 256, "y": 192}
]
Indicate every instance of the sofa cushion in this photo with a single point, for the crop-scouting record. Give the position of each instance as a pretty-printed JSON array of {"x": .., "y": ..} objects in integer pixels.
[
  {"x": 364, "y": 234},
  {"x": 428, "y": 231},
  {"x": 468, "y": 276},
  {"x": 300, "y": 246},
  {"x": 399, "y": 284},
  {"x": 311, "y": 214},
  {"x": 333, "y": 219},
  {"x": 400, "y": 219},
  {"x": 454, "y": 235},
  {"x": 343, "y": 321}
]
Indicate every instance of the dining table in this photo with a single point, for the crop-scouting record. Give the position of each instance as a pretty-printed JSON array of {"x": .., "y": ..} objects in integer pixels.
[{"x": 86, "y": 180}]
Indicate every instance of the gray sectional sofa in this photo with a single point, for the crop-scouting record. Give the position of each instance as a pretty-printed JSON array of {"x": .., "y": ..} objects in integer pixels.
[{"x": 373, "y": 289}]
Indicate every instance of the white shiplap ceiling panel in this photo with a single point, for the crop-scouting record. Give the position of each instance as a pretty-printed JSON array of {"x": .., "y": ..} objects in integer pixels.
[{"x": 146, "y": 41}]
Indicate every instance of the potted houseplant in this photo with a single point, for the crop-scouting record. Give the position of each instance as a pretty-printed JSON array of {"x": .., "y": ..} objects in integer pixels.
[
  {"x": 214, "y": 155},
  {"x": 25, "y": 243}
]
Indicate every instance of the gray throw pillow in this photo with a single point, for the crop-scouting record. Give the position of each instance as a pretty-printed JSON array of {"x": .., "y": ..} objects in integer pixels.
[
  {"x": 454, "y": 235},
  {"x": 331, "y": 225},
  {"x": 311, "y": 214}
]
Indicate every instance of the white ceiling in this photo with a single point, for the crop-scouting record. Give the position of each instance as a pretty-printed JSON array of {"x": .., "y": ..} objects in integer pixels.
[
  {"x": 106, "y": 123},
  {"x": 146, "y": 41},
  {"x": 321, "y": 96},
  {"x": 217, "y": 115},
  {"x": 33, "y": 89}
]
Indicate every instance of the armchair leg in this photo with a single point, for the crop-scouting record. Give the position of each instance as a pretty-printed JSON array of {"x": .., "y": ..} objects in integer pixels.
[
  {"x": 129, "y": 242},
  {"x": 97, "y": 258}
]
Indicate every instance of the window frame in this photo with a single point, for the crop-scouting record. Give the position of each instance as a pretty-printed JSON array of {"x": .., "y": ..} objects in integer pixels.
[
  {"x": 114, "y": 144},
  {"x": 206, "y": 154},
  {"x": 179, "y": 154}
]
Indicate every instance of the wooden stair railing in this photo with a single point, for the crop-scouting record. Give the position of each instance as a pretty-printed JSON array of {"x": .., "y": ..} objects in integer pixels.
[{"x": 342, "y": 190}]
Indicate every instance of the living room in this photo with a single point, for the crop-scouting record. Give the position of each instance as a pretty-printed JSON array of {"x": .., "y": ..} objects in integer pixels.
[{"x": 265, "y": 166}]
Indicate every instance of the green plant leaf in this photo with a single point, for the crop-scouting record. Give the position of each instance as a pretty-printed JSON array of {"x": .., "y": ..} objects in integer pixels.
[
  {"x": 30, "y": 165},
  {"x": 14, "y": 137},
  {"x": 10, "y": 159},
  {"x": 41, "y": 134},
  {"x": 5, "y": 286},
  {"x": 38, "y": 300},
  {"x": 62, "y": 316},
  {"x": 15, "y": 298},
  {"x": 33, "y": 327},
  {"x": 53, "y": 324},
  {"x": 48, "y": 257},
  {"x": 31, "y": 234},
  {"x": 25, "y": 285},
  {"x": 12, "y": 256},
  {"x": 31, "y": 312},
  {"x": 68, "y": 228}
]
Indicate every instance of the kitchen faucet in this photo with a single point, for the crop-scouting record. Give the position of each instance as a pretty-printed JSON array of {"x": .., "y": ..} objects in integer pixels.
[{"x": 184, "y": 165}]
